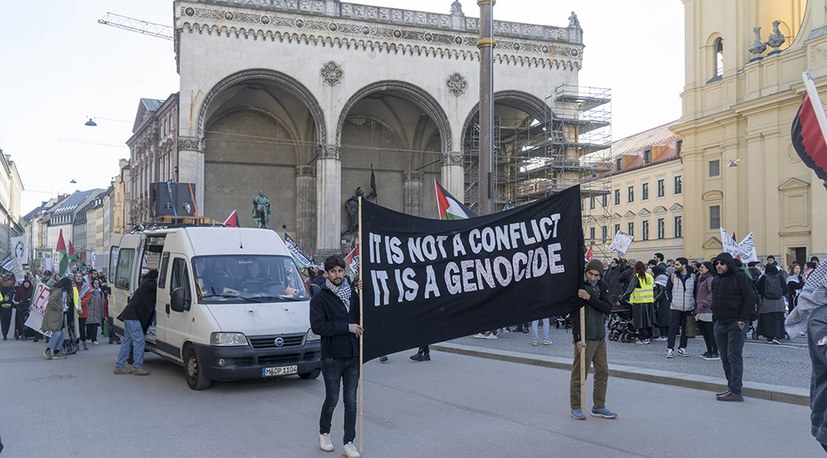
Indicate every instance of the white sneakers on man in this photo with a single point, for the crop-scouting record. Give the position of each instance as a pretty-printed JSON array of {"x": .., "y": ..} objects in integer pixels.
[
  {"x": 351, "y": 451},
  {"x": 325, "y": 443}
]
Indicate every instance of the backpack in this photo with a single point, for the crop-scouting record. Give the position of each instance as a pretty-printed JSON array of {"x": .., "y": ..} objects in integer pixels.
[
  {"x": 756, "y": 307},
  {"x": 772, "y": 287}
]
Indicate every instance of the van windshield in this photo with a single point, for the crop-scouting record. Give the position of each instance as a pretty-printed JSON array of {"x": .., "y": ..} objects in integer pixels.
[{"x": 233, "y": 279}]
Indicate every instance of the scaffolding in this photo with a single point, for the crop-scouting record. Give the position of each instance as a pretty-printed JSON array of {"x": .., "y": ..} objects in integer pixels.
[{"x": 536, "y": 156}]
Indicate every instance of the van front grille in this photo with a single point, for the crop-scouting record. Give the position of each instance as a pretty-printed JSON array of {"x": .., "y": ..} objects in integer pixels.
[{"x": 268, "y": 342}]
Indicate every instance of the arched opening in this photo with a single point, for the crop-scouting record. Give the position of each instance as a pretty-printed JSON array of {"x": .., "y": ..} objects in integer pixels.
[
  {"x": 718, "y": 64},
  {"x": 398, "y": 133},
  {"x": 258, "y": 128}
]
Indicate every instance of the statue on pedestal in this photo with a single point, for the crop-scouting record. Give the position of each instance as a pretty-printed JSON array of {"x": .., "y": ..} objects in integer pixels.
[{"x": 261, "y": 210}]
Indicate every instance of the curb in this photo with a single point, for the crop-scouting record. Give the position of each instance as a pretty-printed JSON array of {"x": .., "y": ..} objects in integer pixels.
[{"x": 786, "y": 394}]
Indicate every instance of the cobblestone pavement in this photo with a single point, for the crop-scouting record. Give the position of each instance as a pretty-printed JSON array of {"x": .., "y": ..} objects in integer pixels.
[{"x": 787, "y": 364}]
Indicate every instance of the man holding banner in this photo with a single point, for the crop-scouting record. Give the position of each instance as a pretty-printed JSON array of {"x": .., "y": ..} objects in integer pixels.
[{"x": 594, "y": 296}]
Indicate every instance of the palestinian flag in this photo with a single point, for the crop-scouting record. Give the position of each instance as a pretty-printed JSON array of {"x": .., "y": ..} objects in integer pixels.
[
  {"x": 352, "y": 261},
  {"x": 73, "y": 258},
  {"x": 232, "y": 220},
  {"x": 63, "y": 269},
  {"x": 448, "y": 207},
  {"x": 808, "y": 130}
]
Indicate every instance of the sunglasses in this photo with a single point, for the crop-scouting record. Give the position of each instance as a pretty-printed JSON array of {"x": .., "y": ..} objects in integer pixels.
[{"x": 720, "y": 263}]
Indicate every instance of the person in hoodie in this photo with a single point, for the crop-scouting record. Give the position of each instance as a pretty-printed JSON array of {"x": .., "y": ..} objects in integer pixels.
[
  {"x": 773, "y": 289},
  {"x": 811, "y": 316},
  {"x": 733, "y": 300},
  {"x": 136, "y": 317},
  {"x": 22, "y": 299}
]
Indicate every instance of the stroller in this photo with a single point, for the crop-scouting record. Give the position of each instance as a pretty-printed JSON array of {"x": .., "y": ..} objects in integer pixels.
[
  {"x": 21, "y": 332},
  {"x": 620, "y": 323},
  {"x": 562, "y": 321}
]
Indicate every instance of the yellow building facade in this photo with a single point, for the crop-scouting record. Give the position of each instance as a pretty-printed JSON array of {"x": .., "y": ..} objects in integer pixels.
[
  {"x": 645, "y": 198},
  {"x": 743, "y": 89}
]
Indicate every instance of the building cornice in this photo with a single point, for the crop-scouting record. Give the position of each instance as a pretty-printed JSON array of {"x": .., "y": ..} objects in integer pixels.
[{"x": 407, "y": 37}]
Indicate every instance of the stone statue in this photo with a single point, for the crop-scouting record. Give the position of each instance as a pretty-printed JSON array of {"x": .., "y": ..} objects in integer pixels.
[
  {"x": 573, "y": 21},
  {"x": 776, "y": 39},
  {"x": 352, "y": 208},
  {"x": 261, "y": 210},
  {"x": 757, "y": 47},
  {"x": 456, "y": 8}
]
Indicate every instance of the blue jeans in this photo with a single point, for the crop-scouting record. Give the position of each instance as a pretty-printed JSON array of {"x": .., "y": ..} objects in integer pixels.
[
  {"x": 334, "y": 371},
  {"x": 534, "y": 328},
  {"x": 56, "y": 341},
  {"x": 133, "y": 339},
  {"x": 730, "y": 339}
]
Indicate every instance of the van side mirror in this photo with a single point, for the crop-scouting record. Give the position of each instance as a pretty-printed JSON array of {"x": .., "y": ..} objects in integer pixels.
[{"x": 180, "y": 300}]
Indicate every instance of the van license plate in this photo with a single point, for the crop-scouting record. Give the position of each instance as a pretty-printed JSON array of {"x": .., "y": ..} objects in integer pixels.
[{"x": 276, "y": 371}]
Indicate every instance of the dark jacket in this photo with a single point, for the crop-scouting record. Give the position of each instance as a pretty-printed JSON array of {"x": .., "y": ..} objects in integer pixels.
[
  {"x": 142, "y": 304},
  {"x": 816, "y": 331},
  {"x": 330, "y": 319},
  {"x": 612, "y": 279},
  {"x": 598, "y": 305},
  {"x": 733, "y": 298}
]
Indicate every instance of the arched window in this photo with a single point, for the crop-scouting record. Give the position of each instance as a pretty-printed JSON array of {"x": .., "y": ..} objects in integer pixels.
[{"x": 719, "y": 57}]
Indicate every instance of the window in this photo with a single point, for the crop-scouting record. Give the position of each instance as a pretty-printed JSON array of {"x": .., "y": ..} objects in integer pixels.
[
  {"x": 718, "y": 47},
  {"x": 179, "y": 277},
  {"x": 618, "y": 164},
  {"x": 631, "y": 228},
  {"x": 715, "y": 168},
  {"x": 604, "y": 233},
  {"x": 678, "y": 227},
  {"x": 617, "y": 228},
  {"x": 617, "y": 196},
  {"x": 591, "y": 203},
  {"x": 661, "y": 188},
  {"x": 122, "y": 274},
  {"x": 591, "y": 233},
  {"x": 605, "y": 200},
  {"x": 113, "y": 259},
  {"x": 715, "y": 217},
  {"x": 644, "y": 191},
  {"x": 162, "y": 272},
  {"x": 647, "y": 156},
  {"x": 661, "y": 228},
  {"x": 630, "y": 194},
  {"x": 678, "y": 184},
  {"x": 645, "y": 230}
]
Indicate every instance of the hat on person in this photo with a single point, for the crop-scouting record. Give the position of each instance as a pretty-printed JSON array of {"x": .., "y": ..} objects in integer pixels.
[
  {"x": 631, "y": 261},
  {"x": 670, "y": 270},
  {"x": 595, "y": 264},
  {"x": 709, "y": 266}
]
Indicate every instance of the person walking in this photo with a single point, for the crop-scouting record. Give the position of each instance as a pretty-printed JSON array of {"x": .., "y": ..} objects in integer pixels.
[
  {"x": 772, "y": 288},
  {"x": 642, "y": 297},
  {"x": 6, "y": 307},
  {"x": 683, "y": 304},
  {"x": 94, "y": 311},
  {"x": 136, "y": 317},
  {"x": 733, "y": 300},
  {"x": 22, "y": 299},
  {"x": 703, "y": 310},
  {"x": 53, "y": 317},
  {"x": 334, "y": 315},
  {"x": 594, "y": 296}
]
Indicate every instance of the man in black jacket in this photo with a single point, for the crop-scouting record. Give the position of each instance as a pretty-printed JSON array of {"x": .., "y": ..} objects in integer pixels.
[
  {"x": 733, "y": 301},
  {"x": 594, "y": 295},
  {"x": 136, "y": 317},
  {"x": 334, "y": 315}
]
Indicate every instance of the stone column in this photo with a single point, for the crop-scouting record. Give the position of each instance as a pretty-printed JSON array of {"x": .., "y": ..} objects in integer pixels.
[
  {"x": 412, "y": 192},
  {"x": 191, "y": 168},
  {"x": 453, "y": 174},
  {"x": 329, "y": 202},
  {"x": 306, "y": 206}
]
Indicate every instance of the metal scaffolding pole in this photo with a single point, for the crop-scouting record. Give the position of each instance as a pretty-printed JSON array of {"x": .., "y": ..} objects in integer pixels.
[{"x": 486, "y": 154}]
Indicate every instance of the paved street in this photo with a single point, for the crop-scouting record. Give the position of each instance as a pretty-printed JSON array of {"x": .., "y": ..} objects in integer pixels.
[{"x": 454, "y": 405}]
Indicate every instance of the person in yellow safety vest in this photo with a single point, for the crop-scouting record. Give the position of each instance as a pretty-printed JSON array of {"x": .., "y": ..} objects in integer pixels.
[{"x": 642, "y": 297}]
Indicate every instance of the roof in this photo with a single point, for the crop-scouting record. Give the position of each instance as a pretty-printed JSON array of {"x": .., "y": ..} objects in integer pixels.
[
  {"x": 634, "y": 144},
  {"x": 92, "y": 201},
  {"x": 73, "y": 202},
  {"x": 145, "y": 108}
]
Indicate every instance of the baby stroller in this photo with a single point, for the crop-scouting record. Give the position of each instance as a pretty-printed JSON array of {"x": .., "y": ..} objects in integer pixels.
[
  {"x": 620, "y": 323},
  {"x": 20, "y": 329},
  {"x": 562, "y": 321}
]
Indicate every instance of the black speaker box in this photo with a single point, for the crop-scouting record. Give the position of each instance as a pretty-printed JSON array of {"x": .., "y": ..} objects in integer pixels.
[{"x": 172, "y": 199}]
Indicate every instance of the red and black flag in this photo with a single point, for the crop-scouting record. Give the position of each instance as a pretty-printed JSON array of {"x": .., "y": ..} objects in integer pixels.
[{"x": 808, "y": 130}]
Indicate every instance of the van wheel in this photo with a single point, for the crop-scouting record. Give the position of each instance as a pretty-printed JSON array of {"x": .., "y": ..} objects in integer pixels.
[
  {"x": 192, "y": 369},
  {"x": 311, "y": 375}
]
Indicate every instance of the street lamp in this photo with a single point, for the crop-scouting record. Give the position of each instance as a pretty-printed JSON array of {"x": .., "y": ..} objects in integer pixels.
[{"x": 91, "y": 123}]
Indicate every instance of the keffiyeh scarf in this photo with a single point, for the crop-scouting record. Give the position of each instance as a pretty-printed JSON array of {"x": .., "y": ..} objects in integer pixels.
[
  {"x": 813, "y": 296},
  {"x": 343, "y": 292}
]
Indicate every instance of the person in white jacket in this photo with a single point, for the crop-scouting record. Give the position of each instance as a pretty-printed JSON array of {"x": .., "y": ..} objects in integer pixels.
[{"x": 683, "y": 304}]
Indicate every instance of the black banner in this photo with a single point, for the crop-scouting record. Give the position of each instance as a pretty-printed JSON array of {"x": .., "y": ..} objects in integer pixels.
[{"x": 427, "y": 281}]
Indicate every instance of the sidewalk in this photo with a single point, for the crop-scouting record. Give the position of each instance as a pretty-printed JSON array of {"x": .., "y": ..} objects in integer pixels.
[{"x": 773, "y": 372}]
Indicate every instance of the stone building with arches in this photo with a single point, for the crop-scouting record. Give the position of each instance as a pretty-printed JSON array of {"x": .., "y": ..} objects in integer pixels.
[
  {"x": 308, "y": 100},
  {"x": 743, "y": 89}
]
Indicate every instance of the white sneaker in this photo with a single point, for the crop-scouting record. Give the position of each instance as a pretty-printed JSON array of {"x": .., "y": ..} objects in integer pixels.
[
  {"x": 546, "y": 342},
  {"x": 491, "y": 336},
  {"x": 479, "y": 336},
  {"x": 350, "y": 451},
  {"x": 670, "y": 353},
  {"x": 534, "y": 342},
  {"x": 325, "y": 443},
  {"x": 682, "y": 352}
]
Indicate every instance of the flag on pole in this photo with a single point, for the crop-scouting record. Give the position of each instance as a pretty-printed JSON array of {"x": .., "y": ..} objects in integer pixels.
[
  {"x": 352, "y": 261},
  {"x": 448, "y": 207},
  {"x": 63, "y": 268},
  {"x": 232, "y": 220},
  {"x": 809, "y": 128},
  {"x": 73, "y": 258}
]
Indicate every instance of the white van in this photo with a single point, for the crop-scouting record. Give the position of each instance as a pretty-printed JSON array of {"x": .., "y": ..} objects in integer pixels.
[{"x": 231, "y": 304}]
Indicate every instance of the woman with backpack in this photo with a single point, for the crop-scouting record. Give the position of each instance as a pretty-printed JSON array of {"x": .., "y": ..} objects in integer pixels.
[{"x": 772, "y": 289}]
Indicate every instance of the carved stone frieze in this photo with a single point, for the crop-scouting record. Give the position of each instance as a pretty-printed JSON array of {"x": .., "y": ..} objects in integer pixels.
[
  {"x": 452, "y": 158},
  {"x": 457, "y": 84},
  {"x": 329, "y": 152},
  {"x": 332, "y": 73},
  {"x": 189, "y": 144}
]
